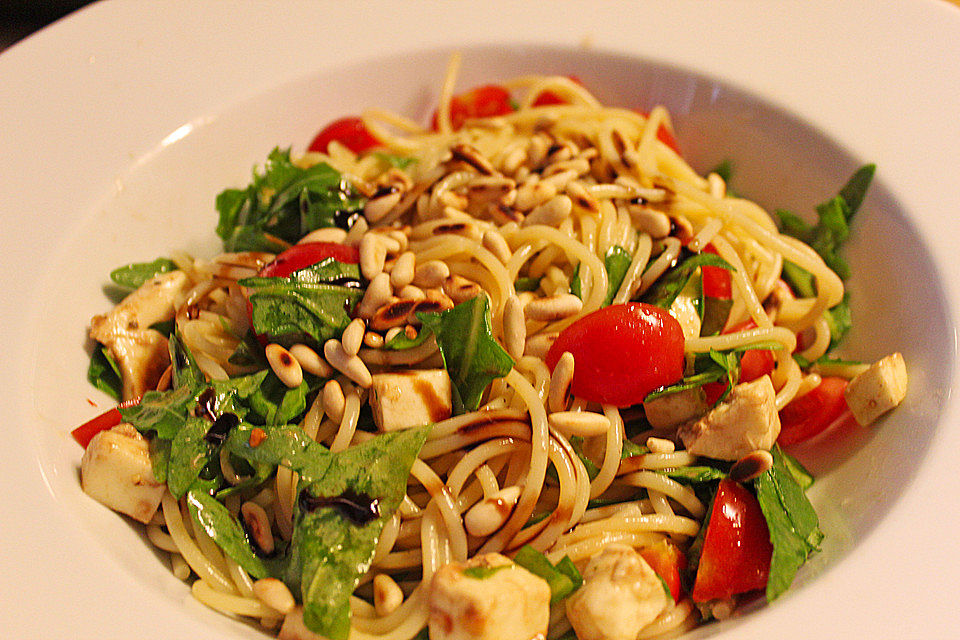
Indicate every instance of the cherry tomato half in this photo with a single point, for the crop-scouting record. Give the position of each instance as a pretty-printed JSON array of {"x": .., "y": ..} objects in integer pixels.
[
  {"x": 716, "y": 280},
  {"x": 736, "y": 549},
  {"x": 303, "y": 255},
  {"x": 549, "y": 97},
  {"x": 812, "y": 413},
  {"x": 667, "y": 560},
  {"x": 350, "y": 132},
  {"x": 753, "y": 364},
  {"x": 481, "y": 102},
  {"x": 622, "y": 353},
  {"x": 106, "y": 420}
]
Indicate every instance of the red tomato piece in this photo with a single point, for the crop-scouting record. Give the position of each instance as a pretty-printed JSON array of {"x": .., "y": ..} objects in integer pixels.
[
  {"x": 716, "y": 280},
  {"x": 753, "y": 364},
  {"x": 106, "y": 420},
  {"x": 667, "y": 560},
  {"x": 303, "y": 255},
  {"x": 350, "y": 132},
  {"x": 481, "y": 102},
  {"x": 736, "y": 549},
  {"x": 549, "y": 97},
  {"x": 622, "y": 353},
  {"x": 812, "y": 413}
]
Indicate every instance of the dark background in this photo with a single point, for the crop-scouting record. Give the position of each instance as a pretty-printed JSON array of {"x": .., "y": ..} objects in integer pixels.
[{"x": 20, "y": 18}]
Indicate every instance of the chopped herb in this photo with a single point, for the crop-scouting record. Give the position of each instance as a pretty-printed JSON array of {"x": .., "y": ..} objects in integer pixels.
[
  {"x": 526, "y": 284},
  {"x": 104, "y": 373},
  {"x": 482, "y": 573},
  {"x": 563, "y": 578},
  {"x": 133, "y": 275},
  {"x": 666, "y": 289}
]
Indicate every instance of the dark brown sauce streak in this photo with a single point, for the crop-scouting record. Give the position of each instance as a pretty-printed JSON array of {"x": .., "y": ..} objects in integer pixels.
[
  {"x": 220, "y": 428},
  {"x": 359, "y": 508},
  {"x": 206, "y": 405}
]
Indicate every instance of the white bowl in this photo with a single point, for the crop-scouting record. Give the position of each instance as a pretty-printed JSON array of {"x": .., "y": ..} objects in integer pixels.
[{"x": 119, "y": 157}]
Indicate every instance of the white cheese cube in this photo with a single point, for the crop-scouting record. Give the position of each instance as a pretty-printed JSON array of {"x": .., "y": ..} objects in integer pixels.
[
  {"x": 116, "y": 471},
  {"x": 410, "y": 398},
  {"x": 746, "y": 421},
  {"x": 878, "y": 389},
  {"x": 620, "y": 596},
  {"x": 676, "y": 408},
  {"x": 488, "y": 598}
]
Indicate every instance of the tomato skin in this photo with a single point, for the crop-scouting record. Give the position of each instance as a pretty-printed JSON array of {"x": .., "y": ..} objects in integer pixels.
[
  {"x": 736, "y": 549},
  {"x": 812, "y": 413},
  {"x": 349, "y": 131},
  {"x": 303, "y": 255},
  {"x": 622, "y": 353},
  {"x": 754, "y": 363},
  {"x": 716, "y": 280},
  {"x": 106, "y": 420},
  {"x": 667, "y": 560},
  {"x": 549, "y": 97},
  {"x": 484, "y": 101}
]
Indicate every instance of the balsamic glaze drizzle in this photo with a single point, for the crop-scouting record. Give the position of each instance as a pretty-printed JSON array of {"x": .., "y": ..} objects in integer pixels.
[{"x": 359, "y": 508}]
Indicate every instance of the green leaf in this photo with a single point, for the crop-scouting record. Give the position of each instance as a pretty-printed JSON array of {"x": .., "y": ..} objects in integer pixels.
[
  {"x": 401, "y": 342},
  {"x": 616, "y": 262},
  {"x": 528, "y": 284},
  {"x": 793, "y": 524},
  {"x": 133, "y": 275},
  {"x": 470, "y": 354},
  {"x": 575, "y": 287},
  {"x": 666, "y": 289},
  {"x": 285, "y": 445},
  {"x": 308, "y": 305},
  {"x": 855, "y": 190},
  {"x": 701, "y": 474},
  {"x": 482, "y": 573},
  {"x": 333, "y": 552},
  {"x": 189, "y": 454},
  {"x": 563, "y": 578},
  {"x": 103, "y": 372},
  {"x": 229, "y": 535},
  {"x": 393, "y": 160},
  {"x": 282, "y": 204}
]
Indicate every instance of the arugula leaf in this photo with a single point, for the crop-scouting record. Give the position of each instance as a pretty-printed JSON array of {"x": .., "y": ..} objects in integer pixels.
[
  {"x": 527, "y": 284},
  {"x": 308, "y": 305},
  {"x": 666, "y": 289},
  {"x": 189, "y": 454},
  {"x": 285, "y": 445},
  {"x": 400, "y": 342},
  {"x": 393, "y": 160},
  {"x": 132, "y": 275},
  {"x": 470, "y": 354},
  {"x": 482, "y": 573},
  {"x": 334, "y": 552},
  {"x": 616, "y": 262},
  {"x": 793, "y": 524},
  {"x": 103, "y": 372},
  {"x": 283, "y": 203},
  {"x": 575, "y": 287},
  {"x": 229, "y": 535},
  {"x": 694, "y": 475},
  {"x": 563, "y": 578}
]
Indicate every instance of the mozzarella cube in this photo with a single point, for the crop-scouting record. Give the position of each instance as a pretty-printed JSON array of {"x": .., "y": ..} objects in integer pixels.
[
  {"x": 620, "y": 596},
  {"x": 746, "y": 421},
  {"x": 116, "y": 471},
  {"x": 675, "y": 408},
  {"x": 410, "y": 398},
  {"x": 878, "y": 389},
  {"x": 488, "y": 598}
]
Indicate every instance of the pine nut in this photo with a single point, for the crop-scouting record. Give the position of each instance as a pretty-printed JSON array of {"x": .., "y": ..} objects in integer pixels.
[
  {"x": 356, "y": 232},
  {"x": 381, "y": 203},
  {"x": 553, "y": 308},
  {"x": 310, "y": 361},
  {"x": 258, "y": 525},
  {"x": 392, "y": 314},
  {"x": 533, "y": 193},
  {"x": 334, "y": 401},
  {"x": 325, "y": 234},
  {"x": 274, "y": 594},
  {"x": 350, "y": 366},
  {"x": 558, "y": 396},
  {"x": 392, "y": 333},
  {"x": 660, "y": 445},
  {"x": 551, "y": 213},
  {"x": 514, "y": 327},
  {"x": 582, "y": 198},
  {"x": 403, "y": 270},
  {"x": 352, "y": 336},
  {"x": 378, "y": 293},
  {"x": 751, "y": 465},
  {"x": 472, "y": 156},
  {"x": 491, "y": 513},
  {"x": 654, "y": 223},
  {"x": 460, "y": 289},
  {"x": 373, "y": 339},
  {"x": 562, "y": 179},
  {"x": 373, "y": 254},
  {"x": 164, "y": 382},
  {"x": 538, "y": 345},
  {"x": 430, "y": 274},
  {"x": 579, "y": 423},
  {"x": 494, "y": 242},
  {"x": 387, "y": 595},
  {"x": 284, "y": 365},
  {"x": 411, "y": 292}
]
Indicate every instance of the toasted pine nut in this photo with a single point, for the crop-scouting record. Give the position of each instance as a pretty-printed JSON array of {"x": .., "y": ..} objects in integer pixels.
[
  {"x": 472, "y": 156},
  {"x": 582, "y": 198},
  {"x": 392, "y": 314},
  {"x": 460, "y": 289},
  {"x": 258, "y": 524},
  {"x": 533, "y": 193},
  {"x": 274, "y": 594},
  {"x": 325, "y": 234},
  {"x": 495, "y": 243},
  {"x": 356, "y": 232},
  {"x": 654, "y": 223},
  {"x": 373, "y": 253},
  {"x": 387, "y": 595},
  {"x": 310, "y": 361},
  {"x": 381, "y": 203},
  {"x": 411, "y": 292},
  {"x": 491, "y": 513},
  {"x": 392, "y": 333},
  {"x": 579, "y": 423},
  {"x": 373, "y": 339},
  {"x": 660, "y": 445},
  {"x": 284, "y": 365},
  {"x": 559, "y": 394},
  {"x": 514, "y": 327},
  {"x": 561, "y": 179},
  {"x": 378, "y": 293},
  {"x": 431, "y": 273},
  {"x": 352, "y": 336},
  {"x": 350, "y": 366},
  {"x": 551, "y": 213},
  {"x": 751, "y": 465},
  {"x": 333, "y": 400},
  {"x": 553, "y": 308},
  {"x": 538, "y": 345},
  {"x": 403, "y": 270},
  {"x": 164, "y": 382}
]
